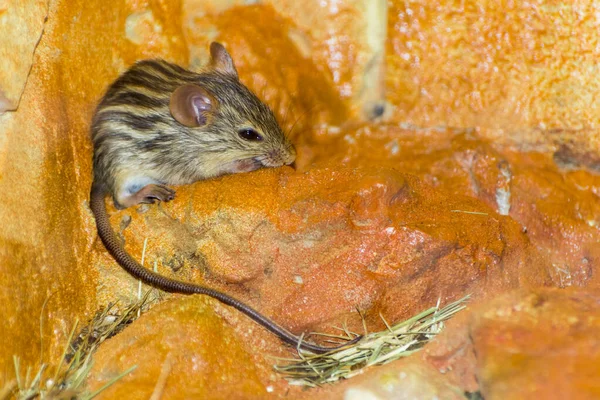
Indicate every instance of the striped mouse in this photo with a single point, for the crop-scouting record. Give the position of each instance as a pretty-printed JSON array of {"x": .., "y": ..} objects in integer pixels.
[{"x": 159, "y": 124}]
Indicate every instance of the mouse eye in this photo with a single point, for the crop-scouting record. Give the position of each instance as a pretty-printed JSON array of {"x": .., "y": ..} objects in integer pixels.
[{"x": 250, "y": 134}]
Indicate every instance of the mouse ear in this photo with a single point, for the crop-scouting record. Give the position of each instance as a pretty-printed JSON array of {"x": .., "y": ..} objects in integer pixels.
[
  {"x": 221, "y": 61},
  {"x": 191, "y": 105}
]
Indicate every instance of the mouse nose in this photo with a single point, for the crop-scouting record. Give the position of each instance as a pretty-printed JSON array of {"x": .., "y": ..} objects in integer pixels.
[
  {"x": 280, "y": 156},
  {"x": 290, "y": 156}
]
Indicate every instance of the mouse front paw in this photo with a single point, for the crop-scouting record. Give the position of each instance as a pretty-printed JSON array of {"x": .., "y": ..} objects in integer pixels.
[{"x": 152, "y": 193}]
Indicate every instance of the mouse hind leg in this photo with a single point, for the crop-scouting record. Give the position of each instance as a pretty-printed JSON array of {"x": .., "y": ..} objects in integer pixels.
[{"x": 142, "y": 190}]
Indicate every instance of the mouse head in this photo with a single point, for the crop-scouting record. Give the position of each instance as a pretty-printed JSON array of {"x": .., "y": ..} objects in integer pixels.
[{"x": 234, "y": 125}]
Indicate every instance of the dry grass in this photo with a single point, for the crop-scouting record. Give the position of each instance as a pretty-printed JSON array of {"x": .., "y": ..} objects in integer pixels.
[
  {"x": 377, "y": 348},
  {"x": 66, "y": 379}
]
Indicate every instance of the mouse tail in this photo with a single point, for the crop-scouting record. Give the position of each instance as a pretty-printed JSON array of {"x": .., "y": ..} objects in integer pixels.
[{"x": 116, "y": 249}]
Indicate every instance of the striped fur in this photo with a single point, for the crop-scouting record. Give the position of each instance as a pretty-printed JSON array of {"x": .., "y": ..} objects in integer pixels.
[{"x": 138, "y": 142}]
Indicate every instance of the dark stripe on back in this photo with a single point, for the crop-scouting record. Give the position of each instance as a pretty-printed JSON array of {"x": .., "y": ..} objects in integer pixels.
[
  {"x": 186, "y": 74},
  {"x": 146, "y": 122},
  {"x": 158, "y": 142},
  {"x": 137, "y": 99},
  {"x": 144, "y": 79},
  {"x": 166, "y": 69}
]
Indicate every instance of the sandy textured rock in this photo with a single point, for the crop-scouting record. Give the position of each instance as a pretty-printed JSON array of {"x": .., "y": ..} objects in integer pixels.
[
  {"x": 557, "y": 208},
  {"x": 302, "y": 46},
  {"x": 540, "y": 344},
  {"x": 45, "y": 168},
  {"x": 22, "y": 23},
  {"x": 270, "y": 62},
  {"x": 451, "y": 353},
  {"x": 401, "y": 381},
  {"x": 348, "y": 38},
  {"x": 524, "y": 71},
  {"x": 368, "y": 238},
  {"x": 524, "y": 344},
  {"x": 182, "y": 349}
]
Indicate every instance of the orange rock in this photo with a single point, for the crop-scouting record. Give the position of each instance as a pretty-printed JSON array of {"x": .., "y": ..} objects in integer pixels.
[
  {"x": 557, "y": 209},
  {"x": 270, "y": 63},
  {"x": 370, "y": 238},
  {"x": 524, "y": 72},
  {"x": 45, "y": 161},
  {"x": 404, "y": 379},
  {"x": 451, "y": 352},
  {"x": 23, "y": 24},
  {"x": 182, "y": 350},
  {"x": 524, "y": 344},
  {"x": 330, "y": 52},
  {"x": 539, "y": 344}
]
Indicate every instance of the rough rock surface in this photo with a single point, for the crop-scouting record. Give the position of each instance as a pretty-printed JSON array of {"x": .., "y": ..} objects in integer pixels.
[
  {"x": 45, "y": 170},
  {"x": 540, "y": 344},
  {"x": 524, "y": 344},
  {"x": 370, "y": 238},
  {"x": 557, "y": 208},
  {"x": 401, "y": 380},
  {"x": 523, "y": 72},
  {"x": 211, "y": 363},
  {"x": 25, "y": 20},
  {"x": 340, "y": 45}
]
